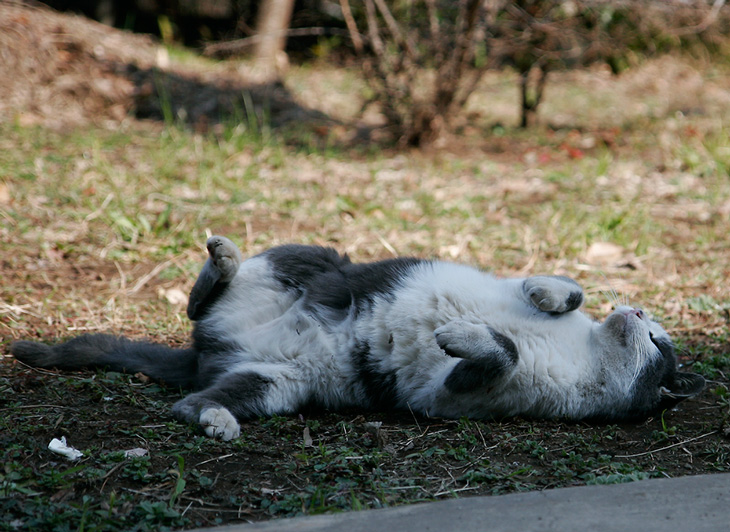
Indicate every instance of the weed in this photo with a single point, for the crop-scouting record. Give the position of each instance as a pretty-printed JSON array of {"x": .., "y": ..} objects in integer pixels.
[
  {"x": 532, "y": 447},
  {"x": 137, "y": 468},
  {"x": 157, "y": 514},
  {"x": 713, "y": 366},
  {"x": 179, "y": 478}
]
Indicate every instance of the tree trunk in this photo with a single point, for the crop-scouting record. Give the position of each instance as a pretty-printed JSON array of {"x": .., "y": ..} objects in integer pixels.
[
  {"x": 271, "y": 28},
  {"x": 531, "y": 98}
]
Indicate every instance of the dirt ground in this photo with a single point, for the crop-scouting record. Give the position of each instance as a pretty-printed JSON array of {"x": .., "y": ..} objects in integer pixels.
[
  {"x": 81, "y": 73},
  {"x": 310, "y": 463}
]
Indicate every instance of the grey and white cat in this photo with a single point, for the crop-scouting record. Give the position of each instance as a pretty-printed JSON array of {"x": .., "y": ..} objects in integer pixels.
[{"x": 299, "y": 325}]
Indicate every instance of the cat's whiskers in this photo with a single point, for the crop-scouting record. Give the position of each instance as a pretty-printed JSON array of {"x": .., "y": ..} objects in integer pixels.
[
  {"x": 613, "y": 295},
  {"x": 642, "y": 354}
]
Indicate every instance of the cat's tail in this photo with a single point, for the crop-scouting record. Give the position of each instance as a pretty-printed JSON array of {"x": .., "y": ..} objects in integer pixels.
[{"x": 177, "y": 367}]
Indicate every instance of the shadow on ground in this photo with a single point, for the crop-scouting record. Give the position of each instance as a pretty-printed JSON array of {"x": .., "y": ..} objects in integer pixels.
[{"x": 62, "y": 71}]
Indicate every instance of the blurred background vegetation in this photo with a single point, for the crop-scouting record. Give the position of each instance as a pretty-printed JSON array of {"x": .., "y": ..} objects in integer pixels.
[{"x": 422, "y": 59}]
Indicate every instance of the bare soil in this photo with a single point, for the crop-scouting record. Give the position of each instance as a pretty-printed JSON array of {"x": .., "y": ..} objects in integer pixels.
[
  {"x": 313, "y": 462},
  {"x": 60, "y": 72}
]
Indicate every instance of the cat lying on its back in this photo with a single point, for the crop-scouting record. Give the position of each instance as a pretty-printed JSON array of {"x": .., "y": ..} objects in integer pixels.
[{"x": 298, "y": 325}]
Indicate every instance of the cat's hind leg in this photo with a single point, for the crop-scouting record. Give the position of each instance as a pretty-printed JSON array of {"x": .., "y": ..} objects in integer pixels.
[
  {"x": 553, "y": 294},
  {"x": 251, "y": 392},
  {"x": 220, "y": 268},
  {"x": 486, "y": 354}
]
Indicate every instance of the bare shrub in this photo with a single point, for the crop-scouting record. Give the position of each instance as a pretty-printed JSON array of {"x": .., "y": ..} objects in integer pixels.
[
  {"x": 539, "y": 36},
  {"x": 421, "y": 60},
  {"x": 424, "y": 58}
]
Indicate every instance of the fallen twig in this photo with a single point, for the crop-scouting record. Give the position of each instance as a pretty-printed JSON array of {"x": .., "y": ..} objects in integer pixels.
[{"x": 667, "y": 447}]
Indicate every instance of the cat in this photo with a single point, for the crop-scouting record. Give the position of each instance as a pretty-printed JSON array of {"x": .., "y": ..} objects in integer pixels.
[{"x": 299, "y": 325}]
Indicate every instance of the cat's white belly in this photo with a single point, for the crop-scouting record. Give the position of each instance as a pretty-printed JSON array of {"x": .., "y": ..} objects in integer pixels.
[
  {"x": 295, "y": 348},
  {"x": 254, "y": 297},
  {"x": 553, "y": 350}
]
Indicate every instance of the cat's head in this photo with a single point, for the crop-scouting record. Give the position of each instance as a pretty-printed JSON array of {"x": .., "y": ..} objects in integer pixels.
[{"x": 640, "y": 354}]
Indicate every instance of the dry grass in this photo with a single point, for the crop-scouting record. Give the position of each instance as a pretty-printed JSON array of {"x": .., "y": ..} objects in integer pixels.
[{"x": 101, "y": 229}]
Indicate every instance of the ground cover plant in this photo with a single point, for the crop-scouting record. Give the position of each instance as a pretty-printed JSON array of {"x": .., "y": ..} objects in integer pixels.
[{"x": 102, "y": 228}]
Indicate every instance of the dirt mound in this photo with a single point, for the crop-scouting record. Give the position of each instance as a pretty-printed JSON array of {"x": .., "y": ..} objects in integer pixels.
[{"x": 64, "y": 70}]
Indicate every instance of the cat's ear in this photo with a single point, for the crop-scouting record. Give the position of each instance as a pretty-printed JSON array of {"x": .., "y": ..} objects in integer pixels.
[{"x": 683, "y": 385}]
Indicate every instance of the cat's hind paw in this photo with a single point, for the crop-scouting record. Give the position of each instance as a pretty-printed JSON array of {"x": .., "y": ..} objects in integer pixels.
[
  {"x": 225, "y": 255},
  {"x": 221, "y": 267},
  {"x": 219, "y": 423}
]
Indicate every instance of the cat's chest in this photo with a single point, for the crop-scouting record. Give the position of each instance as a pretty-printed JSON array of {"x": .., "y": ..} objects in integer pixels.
[
  {"x": 448, "y": 292},
  {"x": 547, "y": 344}
]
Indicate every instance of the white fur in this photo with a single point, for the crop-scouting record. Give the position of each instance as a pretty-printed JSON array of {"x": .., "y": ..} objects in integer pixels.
[
  {"x": 219, "y": 423},
  {"x": 279, "y": 340},
  {"x": 553, "y": 351}
]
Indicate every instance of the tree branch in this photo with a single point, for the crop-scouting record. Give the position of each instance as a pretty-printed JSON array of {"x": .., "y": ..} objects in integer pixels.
[
  {"x": 355, "y": 36},
  {"x": 395, "y": 29}
]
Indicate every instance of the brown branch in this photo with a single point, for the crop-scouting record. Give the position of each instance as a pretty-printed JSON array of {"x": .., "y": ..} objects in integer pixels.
[
  {"x": 373, "y": 29},
  {"x": 239, "y": 45},
  {"x": 470, "y": 85},
  {"x": 355, "y": 36},
  {"x": 433, "y": 22},
  {"x": 394, "y": 88},
  {"x": 710, "y": 19},
  {"x": 395, "y": 29},
  {"x": 451, "y": 71},
  {"x": 685, "y": 442}
]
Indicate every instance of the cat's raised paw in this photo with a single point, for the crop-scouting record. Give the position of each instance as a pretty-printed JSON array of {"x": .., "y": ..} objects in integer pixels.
[
  {"x": 221, "y": 267},
  {"x": 219, "y": 423},
  {"x": 463, "y": 339},
  {"x": 556, "y": 295},
  {"x": 225, "y": 255}
]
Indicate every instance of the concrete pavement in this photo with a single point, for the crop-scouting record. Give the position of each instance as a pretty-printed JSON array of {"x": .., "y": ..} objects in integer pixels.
[{"x": 697, "y": 504}]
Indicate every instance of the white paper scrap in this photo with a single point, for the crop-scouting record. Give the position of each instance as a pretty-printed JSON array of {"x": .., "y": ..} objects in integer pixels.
[
  {"x": 135, "y": 453},
  {"x": 60, "y": 447}
]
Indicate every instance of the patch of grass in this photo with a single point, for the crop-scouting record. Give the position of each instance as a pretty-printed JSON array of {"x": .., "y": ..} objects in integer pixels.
[{"x": 709, "y": 355}]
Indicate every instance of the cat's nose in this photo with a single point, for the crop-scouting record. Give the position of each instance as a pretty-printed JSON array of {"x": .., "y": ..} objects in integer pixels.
[{"x": 630, "y": 311}]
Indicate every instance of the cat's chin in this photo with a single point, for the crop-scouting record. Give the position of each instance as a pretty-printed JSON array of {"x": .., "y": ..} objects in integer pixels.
[
  {"x": 625, "y": 314},
  {"x": 635, "y": 321},
  {"x": 625, "y": 327}
]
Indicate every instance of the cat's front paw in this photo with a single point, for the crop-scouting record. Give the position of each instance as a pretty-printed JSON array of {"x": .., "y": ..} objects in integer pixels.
[
  {"x": 219, "y": 423},
  {"x": 556, "y": 295},
  {"x": 453, "y": 338},
  {"x": 463, "y": 339},
  {"x": 486, "y": 355}
]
